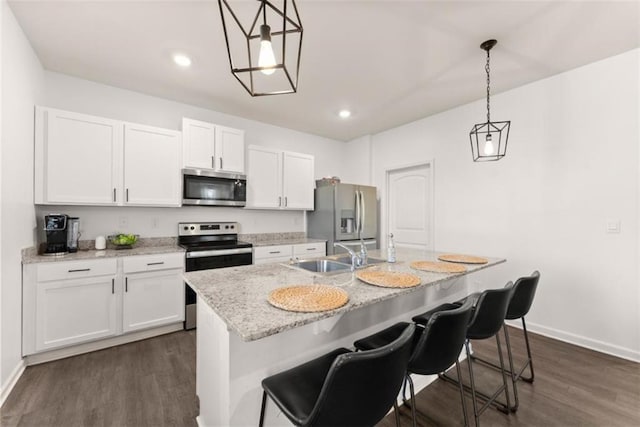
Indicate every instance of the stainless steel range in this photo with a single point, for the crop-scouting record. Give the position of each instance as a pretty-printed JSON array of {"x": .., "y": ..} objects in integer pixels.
[{"x": 210, "y": 245}]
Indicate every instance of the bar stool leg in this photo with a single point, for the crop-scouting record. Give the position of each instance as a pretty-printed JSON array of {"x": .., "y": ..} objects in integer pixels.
[
  {"x": 476, "y": 415},
  {"x": 464, "y": 406},
  {"x": 514, "y": 378},
  {"x": 262, "y": 408},
  {"x": 504, "y": 377},
  {"x": 529, "y": 360},
  {"x": 396, "y": 411},
  {"x": 413, "y": 400}
]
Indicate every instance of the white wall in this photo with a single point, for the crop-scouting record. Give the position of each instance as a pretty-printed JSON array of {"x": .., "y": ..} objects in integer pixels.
[
  {"x": 357, "y": 161},
  {"x": 73, "y": 94},
  {"x": 22, "y": 87},
  {"x": 571, "y": 166}
]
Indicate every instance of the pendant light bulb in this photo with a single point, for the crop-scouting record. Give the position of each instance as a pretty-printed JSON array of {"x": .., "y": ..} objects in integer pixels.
[
  {"x": 488, "y": 145},
  {"x": 266, "y": 58}
]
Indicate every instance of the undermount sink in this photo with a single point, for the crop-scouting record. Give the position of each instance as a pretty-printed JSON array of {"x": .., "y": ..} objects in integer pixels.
[
  {"x": 347, "y": 260},
  {"x": 322, "y": 265}
]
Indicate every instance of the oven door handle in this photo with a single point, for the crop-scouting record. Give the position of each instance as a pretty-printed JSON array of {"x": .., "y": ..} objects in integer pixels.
[{"x": 218, "y": 252}]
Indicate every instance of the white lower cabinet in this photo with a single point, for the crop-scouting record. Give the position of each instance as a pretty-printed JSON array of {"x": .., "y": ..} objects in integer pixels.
[
  {"x": 286, "y": 253},
  {"x": 75, "y": 302},
  {"x": 153, "y": 295},
  {"x": 74, "y": 311}
]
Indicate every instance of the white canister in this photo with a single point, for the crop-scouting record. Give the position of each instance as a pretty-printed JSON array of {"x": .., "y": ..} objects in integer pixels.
[{"x": 101, "y": 243}]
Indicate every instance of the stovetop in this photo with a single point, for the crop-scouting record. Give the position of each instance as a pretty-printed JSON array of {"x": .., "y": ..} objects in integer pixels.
[{"x": 201, "y": 236}]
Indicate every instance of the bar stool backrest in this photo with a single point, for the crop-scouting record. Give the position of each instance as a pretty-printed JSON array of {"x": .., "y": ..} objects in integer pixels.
[
  {"x": 490, "y": 312},
  {"x": 523, "y": 292},
  {"x": 361, "y": 387},
  {"x": 441, "y": 342}
]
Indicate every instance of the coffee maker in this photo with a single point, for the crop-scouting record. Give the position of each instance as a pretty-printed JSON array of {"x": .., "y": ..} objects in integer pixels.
[{"x": 55, "y": 226}]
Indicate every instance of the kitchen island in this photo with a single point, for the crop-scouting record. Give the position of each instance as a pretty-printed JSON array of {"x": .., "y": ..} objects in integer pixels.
[{"x": 242, "y": 339}]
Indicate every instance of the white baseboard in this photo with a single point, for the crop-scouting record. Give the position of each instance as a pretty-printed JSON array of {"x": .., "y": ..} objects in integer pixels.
[
  {"x": 11, "y": 381},
  {"x": 581, "y": 341}
]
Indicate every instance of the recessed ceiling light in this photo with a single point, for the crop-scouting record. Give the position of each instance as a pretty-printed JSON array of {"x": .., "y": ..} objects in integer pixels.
[
  {"x": 182, "y": 60},
  {"x": 345, "y": 114}
]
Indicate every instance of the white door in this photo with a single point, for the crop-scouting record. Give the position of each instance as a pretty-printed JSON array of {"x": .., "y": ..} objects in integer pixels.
[
  {"x": 152, "y": 159},
  {"x": 410, "y": 207},
  {"x": 297, "y": 181},
  {"x": 199, "y": 144},
  {"x": 74, "y": 311},
  {"x": 77, "y": 158},
  {"x": 230, "y": 149},
  {"x": 264, "y": 178},
  {"x": 152, "y": 299}
]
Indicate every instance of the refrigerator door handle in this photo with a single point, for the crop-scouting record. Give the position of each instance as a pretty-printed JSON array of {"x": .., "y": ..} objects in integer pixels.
[
  {"x": 357, "y": 211},
  {"x": 363, "y": 212}
]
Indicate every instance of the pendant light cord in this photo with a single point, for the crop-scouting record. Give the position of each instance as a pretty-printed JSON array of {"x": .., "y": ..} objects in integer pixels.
[{"x": 488, "y": 90}]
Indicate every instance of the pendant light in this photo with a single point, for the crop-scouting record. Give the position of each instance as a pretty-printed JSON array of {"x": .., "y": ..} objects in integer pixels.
[
  {"x": 489, "y": 139},
  {"x": 265, "y": 55}
]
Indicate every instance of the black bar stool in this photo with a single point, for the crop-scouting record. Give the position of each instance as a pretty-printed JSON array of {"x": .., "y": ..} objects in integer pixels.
[
  {"x": 342, "y": 388},
  {"x": 436, "y": 347},
  {"x": 524, "y": 290},
  {"x": 490, "y": 309}
]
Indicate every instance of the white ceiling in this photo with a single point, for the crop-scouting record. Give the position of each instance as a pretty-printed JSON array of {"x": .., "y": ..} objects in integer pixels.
[{"x": 389, "y": 62}]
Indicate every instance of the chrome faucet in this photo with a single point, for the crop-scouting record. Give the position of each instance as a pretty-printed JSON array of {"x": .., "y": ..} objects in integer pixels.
[
  {"x": 363, "y": 253},
  {"x": 357, "y": 260}
]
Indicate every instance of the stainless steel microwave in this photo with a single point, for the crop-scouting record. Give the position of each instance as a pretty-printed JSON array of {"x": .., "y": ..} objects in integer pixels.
[{"x": 211, "y": 188}]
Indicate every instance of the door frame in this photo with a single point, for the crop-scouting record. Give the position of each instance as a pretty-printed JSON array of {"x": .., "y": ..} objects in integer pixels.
[{"x": 430, "y": 220}]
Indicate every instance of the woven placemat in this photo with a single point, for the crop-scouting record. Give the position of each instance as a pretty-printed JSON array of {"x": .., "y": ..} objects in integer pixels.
[
  {"x": 388, "y": 279},
  {"x": 465, "y": 259},
  {"x": 308, "y": 298},
  {"x": 438, "y": 267}
]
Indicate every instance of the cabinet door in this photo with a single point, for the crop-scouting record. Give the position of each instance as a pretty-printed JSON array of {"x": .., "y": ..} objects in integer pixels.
[
  {"x": 74, "y": 311},
  {"x": 198, "y": 144},
  {"x": 309, "y": 250},
  {"x": 264, "y": 178},
  {"x": 77, "y": 158},
  {"x": 297, "y": 181},
  {"x": 229, "y": 149},
  {"x": 152, "y": 299},
  {"x": 152, "y": 159}
]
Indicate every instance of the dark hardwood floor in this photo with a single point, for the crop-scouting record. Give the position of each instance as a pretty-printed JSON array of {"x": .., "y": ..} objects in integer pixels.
[{"x": 152, "y": 383}]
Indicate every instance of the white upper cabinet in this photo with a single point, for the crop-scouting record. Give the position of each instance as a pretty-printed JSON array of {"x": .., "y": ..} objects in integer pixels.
[
  {"x": 76, "y": 158},
  {"x": 279, "y": 179},
  {"x": 210, "y": 146},
  {"x": 151, "y": 166},
  {"x": 87, "y": 160}
]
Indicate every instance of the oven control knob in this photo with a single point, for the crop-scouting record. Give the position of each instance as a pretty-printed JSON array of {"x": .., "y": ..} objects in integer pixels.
[
  {"x": 186, "y": 228},
  {"x": 226, "y": 226},
  {"x": 192, "y": 227},
  {"x": 232, "y": 227}
]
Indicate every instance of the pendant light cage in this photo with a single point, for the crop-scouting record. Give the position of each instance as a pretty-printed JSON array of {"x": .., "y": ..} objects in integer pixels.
[
  {"x": 245, "y": 30},
  {"x": 489, "y": 139}
]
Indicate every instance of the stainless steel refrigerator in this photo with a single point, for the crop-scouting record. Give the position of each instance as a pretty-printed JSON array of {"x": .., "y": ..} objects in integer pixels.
[{"x": 344, "y": 213}]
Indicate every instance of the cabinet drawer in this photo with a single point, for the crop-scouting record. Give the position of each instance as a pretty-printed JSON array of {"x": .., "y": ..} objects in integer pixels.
[
  {"x": 277, "y": 251},
  {"x": 75, "y": 269},
  {"x": 153, "y": 262},
  {"x": 309, "y": 249}
]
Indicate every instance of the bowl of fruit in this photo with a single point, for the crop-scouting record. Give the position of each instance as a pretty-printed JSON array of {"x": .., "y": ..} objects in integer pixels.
[{"x": 123, "y": 241}]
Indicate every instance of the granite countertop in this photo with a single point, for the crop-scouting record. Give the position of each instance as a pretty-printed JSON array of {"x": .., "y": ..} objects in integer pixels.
[
  {"x": 150, "y": 246},
  {"x": 239, "y": 294}
]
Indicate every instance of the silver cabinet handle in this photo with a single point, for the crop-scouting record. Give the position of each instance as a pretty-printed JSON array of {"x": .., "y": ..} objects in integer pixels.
[
  {"x": 213, "y": 162},
  {"x": 311, "y": 249},
  {"x": 127, "y": 195},
  {"x": 114, "y": 194},
  {"x": 155, "y": 263},
  {"x": 279, "y": 200},
  {"x": 274, "y": 252},
  {"x": 113, "y": 286},
  {"x": 79, "y": 270},
  {"x": 220, "y": 162},
  {"x": 126, "y": 284},
  {"x": 285, "y": 201}
]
